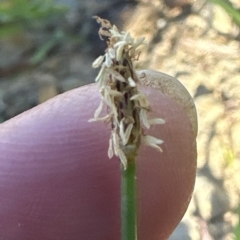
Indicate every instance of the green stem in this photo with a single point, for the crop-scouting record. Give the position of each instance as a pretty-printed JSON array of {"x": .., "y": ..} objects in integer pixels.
[{"x": 128, "y": 201}]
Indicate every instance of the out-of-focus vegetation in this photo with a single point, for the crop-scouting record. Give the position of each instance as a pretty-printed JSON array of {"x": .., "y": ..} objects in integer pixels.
[
  {"x": 230, "y": 9},
  {"x": 17, "y": 16}
]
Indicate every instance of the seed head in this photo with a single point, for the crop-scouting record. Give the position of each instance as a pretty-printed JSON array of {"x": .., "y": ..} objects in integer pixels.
[{"x": 128, "y": 108}]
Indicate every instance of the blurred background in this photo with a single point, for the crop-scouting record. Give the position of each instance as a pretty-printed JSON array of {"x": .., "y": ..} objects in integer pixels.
[{"x": 47, "y": 47}]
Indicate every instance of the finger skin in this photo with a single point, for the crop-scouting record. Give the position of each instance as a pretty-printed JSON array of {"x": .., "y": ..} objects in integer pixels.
[{"x": 57, "y": 183}]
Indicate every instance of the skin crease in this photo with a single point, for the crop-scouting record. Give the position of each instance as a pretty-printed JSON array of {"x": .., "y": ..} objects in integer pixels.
[{"x": 57, "y": 183}]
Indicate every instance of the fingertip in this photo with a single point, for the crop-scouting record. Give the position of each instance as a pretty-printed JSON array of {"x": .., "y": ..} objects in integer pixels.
[
  {"x": 166, "y": 180},
  {"x": 58, "y": 163}
]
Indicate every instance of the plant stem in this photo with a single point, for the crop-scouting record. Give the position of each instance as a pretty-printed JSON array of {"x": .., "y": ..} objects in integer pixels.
[{"x": 128, "y": 202}]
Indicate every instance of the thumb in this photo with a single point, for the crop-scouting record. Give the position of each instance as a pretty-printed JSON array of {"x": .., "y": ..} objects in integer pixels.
[{"x": 56, "y": 181}]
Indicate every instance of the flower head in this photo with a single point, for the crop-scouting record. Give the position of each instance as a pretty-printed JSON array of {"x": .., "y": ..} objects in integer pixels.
[{"x": 117, "y": 80}]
